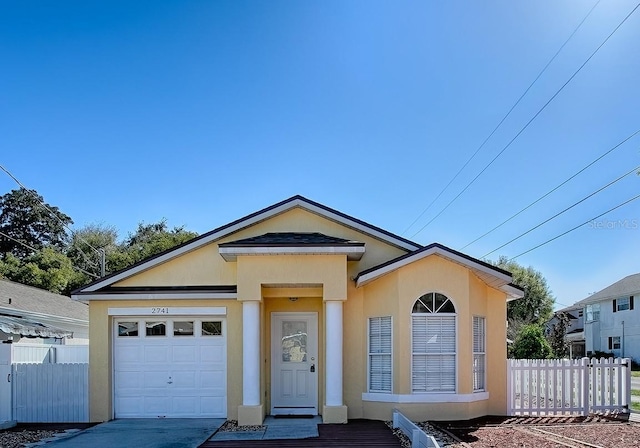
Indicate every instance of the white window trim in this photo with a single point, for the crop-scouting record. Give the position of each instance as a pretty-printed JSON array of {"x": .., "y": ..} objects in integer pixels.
[
  {"x": 483, "y": 353},
  {"x": 455, "y": 391},
  {"x": 431, "y": 397},
  {"x": 369, "y": 355}
]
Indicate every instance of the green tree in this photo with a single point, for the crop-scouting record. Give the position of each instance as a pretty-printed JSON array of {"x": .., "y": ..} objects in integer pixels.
[
  {"x": 531, "y": 344},
  {"x": 47, "y": 269},
  {"x": 536, "y": 307},
  {"x": 84, "y": 246},
  {"x": 557, "y": 333},
  {"x": 23, "y": 217},
  {"x": 146, "y": 241}
]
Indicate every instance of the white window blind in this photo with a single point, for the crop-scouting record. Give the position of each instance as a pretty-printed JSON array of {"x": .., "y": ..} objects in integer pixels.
[
  {"x": 380, "y": 356},
  {"x": 433, "y": 353},
  {"x": 479, "y": 353}
]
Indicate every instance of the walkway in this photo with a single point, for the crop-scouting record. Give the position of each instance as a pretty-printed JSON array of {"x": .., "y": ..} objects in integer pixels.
[
  {"x": 143, "y": 433},
  {"x": 356, "y": 433}
]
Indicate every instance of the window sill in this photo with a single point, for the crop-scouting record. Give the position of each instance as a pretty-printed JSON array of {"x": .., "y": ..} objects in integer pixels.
[{"x": 426, "y": 397}]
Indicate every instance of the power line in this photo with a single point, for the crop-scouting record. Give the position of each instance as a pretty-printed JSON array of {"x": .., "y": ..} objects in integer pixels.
[
  {"x": 576, "y": 227},
  {"x": 87, "y": 259},
  {"x": 36, "y": 250},
  {"x": 563, "y": 211},
  {"x": 553, "y": 189},
  {"x": 503, "y": 118},
  {"x": 529, "y": 122}
]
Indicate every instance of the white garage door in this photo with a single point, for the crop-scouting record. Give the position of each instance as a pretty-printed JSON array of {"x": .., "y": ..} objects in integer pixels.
[{"x": 171, "y": 367}]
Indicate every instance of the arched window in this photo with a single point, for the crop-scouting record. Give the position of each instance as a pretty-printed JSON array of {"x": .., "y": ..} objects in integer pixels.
[{"x": 433, "y": 335}]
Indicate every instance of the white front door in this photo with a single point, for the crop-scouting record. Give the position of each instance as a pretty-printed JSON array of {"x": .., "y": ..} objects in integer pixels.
[{"x": 294, "y": 363}]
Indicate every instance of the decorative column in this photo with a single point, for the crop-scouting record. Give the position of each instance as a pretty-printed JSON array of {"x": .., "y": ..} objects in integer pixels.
[
  {"x": 250, "y": 413},
  {"x": 334, "y": 410}
]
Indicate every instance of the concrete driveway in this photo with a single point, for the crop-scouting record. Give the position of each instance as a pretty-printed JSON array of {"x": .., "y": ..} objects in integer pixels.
[{"x": 143, "y": 433}]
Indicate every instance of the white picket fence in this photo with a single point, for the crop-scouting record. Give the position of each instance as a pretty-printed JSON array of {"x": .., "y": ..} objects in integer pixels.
[
  {"x": 568, "y": 386},
  {"x": 419, "y": 439},
  {"x": 50, "y": 392}
]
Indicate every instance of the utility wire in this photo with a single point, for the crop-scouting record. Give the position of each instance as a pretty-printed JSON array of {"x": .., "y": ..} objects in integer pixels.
[
  {"x": 529, "y": 122},
  {"x": 576, "y": 227},
  {"x": 503, "y": 118},
  {"x": 36, "y": 250},
  {"x": 54, "y": 215},
  {"x": 563, "y": 211},
  {"x": 553, "y": 189}
]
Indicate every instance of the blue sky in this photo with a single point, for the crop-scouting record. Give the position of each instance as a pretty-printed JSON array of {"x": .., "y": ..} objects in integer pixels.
[{"x": 202, "y": 112}]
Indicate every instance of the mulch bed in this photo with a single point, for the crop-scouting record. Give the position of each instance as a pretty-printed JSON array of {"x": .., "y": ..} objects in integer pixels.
[{"x": 542, "y": 432}]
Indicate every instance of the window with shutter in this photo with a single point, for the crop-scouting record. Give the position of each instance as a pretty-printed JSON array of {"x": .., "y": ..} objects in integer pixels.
[
  {"x": 479, "y": 353},
  {"x": 622, "y": 304},
  {"x": 380, "y": 354},
  {"x": 433, "y": 334}
]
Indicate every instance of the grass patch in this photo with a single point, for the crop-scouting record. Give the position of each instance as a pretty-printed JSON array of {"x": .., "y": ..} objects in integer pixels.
[
  {"x": 635, "y": 392},
  {"x": 635, "y": 406},
  {"x": 635, "y": 373}
]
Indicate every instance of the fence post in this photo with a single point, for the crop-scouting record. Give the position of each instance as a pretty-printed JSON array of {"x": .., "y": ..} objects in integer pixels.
[
  {"x": 584, "y": 364},
  {"x": 510, "y": 395},
  {"x": 626, "y": 371},
  {"x": 5, "y": 383}
]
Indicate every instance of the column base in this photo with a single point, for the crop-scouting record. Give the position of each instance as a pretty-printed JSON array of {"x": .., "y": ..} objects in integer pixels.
[
  {"x": 334, "y": 414},
  {"x": 250, "y": 415}
]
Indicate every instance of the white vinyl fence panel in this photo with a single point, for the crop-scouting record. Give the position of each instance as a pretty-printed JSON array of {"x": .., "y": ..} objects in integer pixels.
[
  {"x": 568, "y": 387},
  {"x": 50, "y": 392},
  {"x": 49, "y": 353}
]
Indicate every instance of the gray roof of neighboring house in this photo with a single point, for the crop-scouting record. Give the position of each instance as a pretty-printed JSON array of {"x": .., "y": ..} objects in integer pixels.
[
  {"x": 19, "y": 297},
  {"x": 629, "y": 285}
]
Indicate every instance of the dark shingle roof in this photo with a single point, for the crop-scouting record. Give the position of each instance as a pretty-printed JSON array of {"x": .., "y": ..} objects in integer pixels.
[
  {"x": 291, "y": 239},
  {"x": 19, "y": 297}
]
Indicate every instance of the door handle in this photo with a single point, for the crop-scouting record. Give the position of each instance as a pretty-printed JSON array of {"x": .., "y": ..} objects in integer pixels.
[{"x": 312, "y": 368}]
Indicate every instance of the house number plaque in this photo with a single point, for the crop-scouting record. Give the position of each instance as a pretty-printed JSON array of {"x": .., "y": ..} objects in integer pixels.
[{"x": 160, "y": 310}]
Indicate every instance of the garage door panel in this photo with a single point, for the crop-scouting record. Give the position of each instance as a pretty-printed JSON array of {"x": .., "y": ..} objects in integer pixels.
[
  {"x": 130, "y": 381},
  {"x": 214, "y": 406},
  {"x": 158, "y": 354},
  {"x": 170, "y": 376},
  {"x": 212, "y": 353},
  {"x": 184, "y": 353},
  {"x": 129, "y": 354},
  {"x": 156, "y": 406},
  {"x": 185, "y": 379},
  {"x": 212, "y": 379}
]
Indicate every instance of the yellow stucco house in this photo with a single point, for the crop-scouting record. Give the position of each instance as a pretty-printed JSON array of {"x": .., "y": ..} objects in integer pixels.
[{"x": 299, "y": 309}]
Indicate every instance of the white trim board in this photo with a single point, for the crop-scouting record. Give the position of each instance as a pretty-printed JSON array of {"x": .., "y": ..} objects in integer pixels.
[
  {"x": 159, "y": 296},
  {"x": 425, "y": 398},
  {"x": 169, "y": 311}
]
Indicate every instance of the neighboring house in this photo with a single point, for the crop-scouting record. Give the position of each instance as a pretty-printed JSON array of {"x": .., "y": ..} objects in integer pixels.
[
  {"x": 574, "y": 334},
  {"x": 32, "y": 315},
  {"x": 300, "y": 309},
  {"x": 612, "y": 320}
]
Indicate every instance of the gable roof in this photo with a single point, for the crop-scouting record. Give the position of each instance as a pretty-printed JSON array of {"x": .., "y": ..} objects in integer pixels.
[
  {"x": 22, "y": 298},
  {"x": 491, "y": 275},
  {"x": 627, "y": 286},
  {"x": 247, "y": 221}
]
